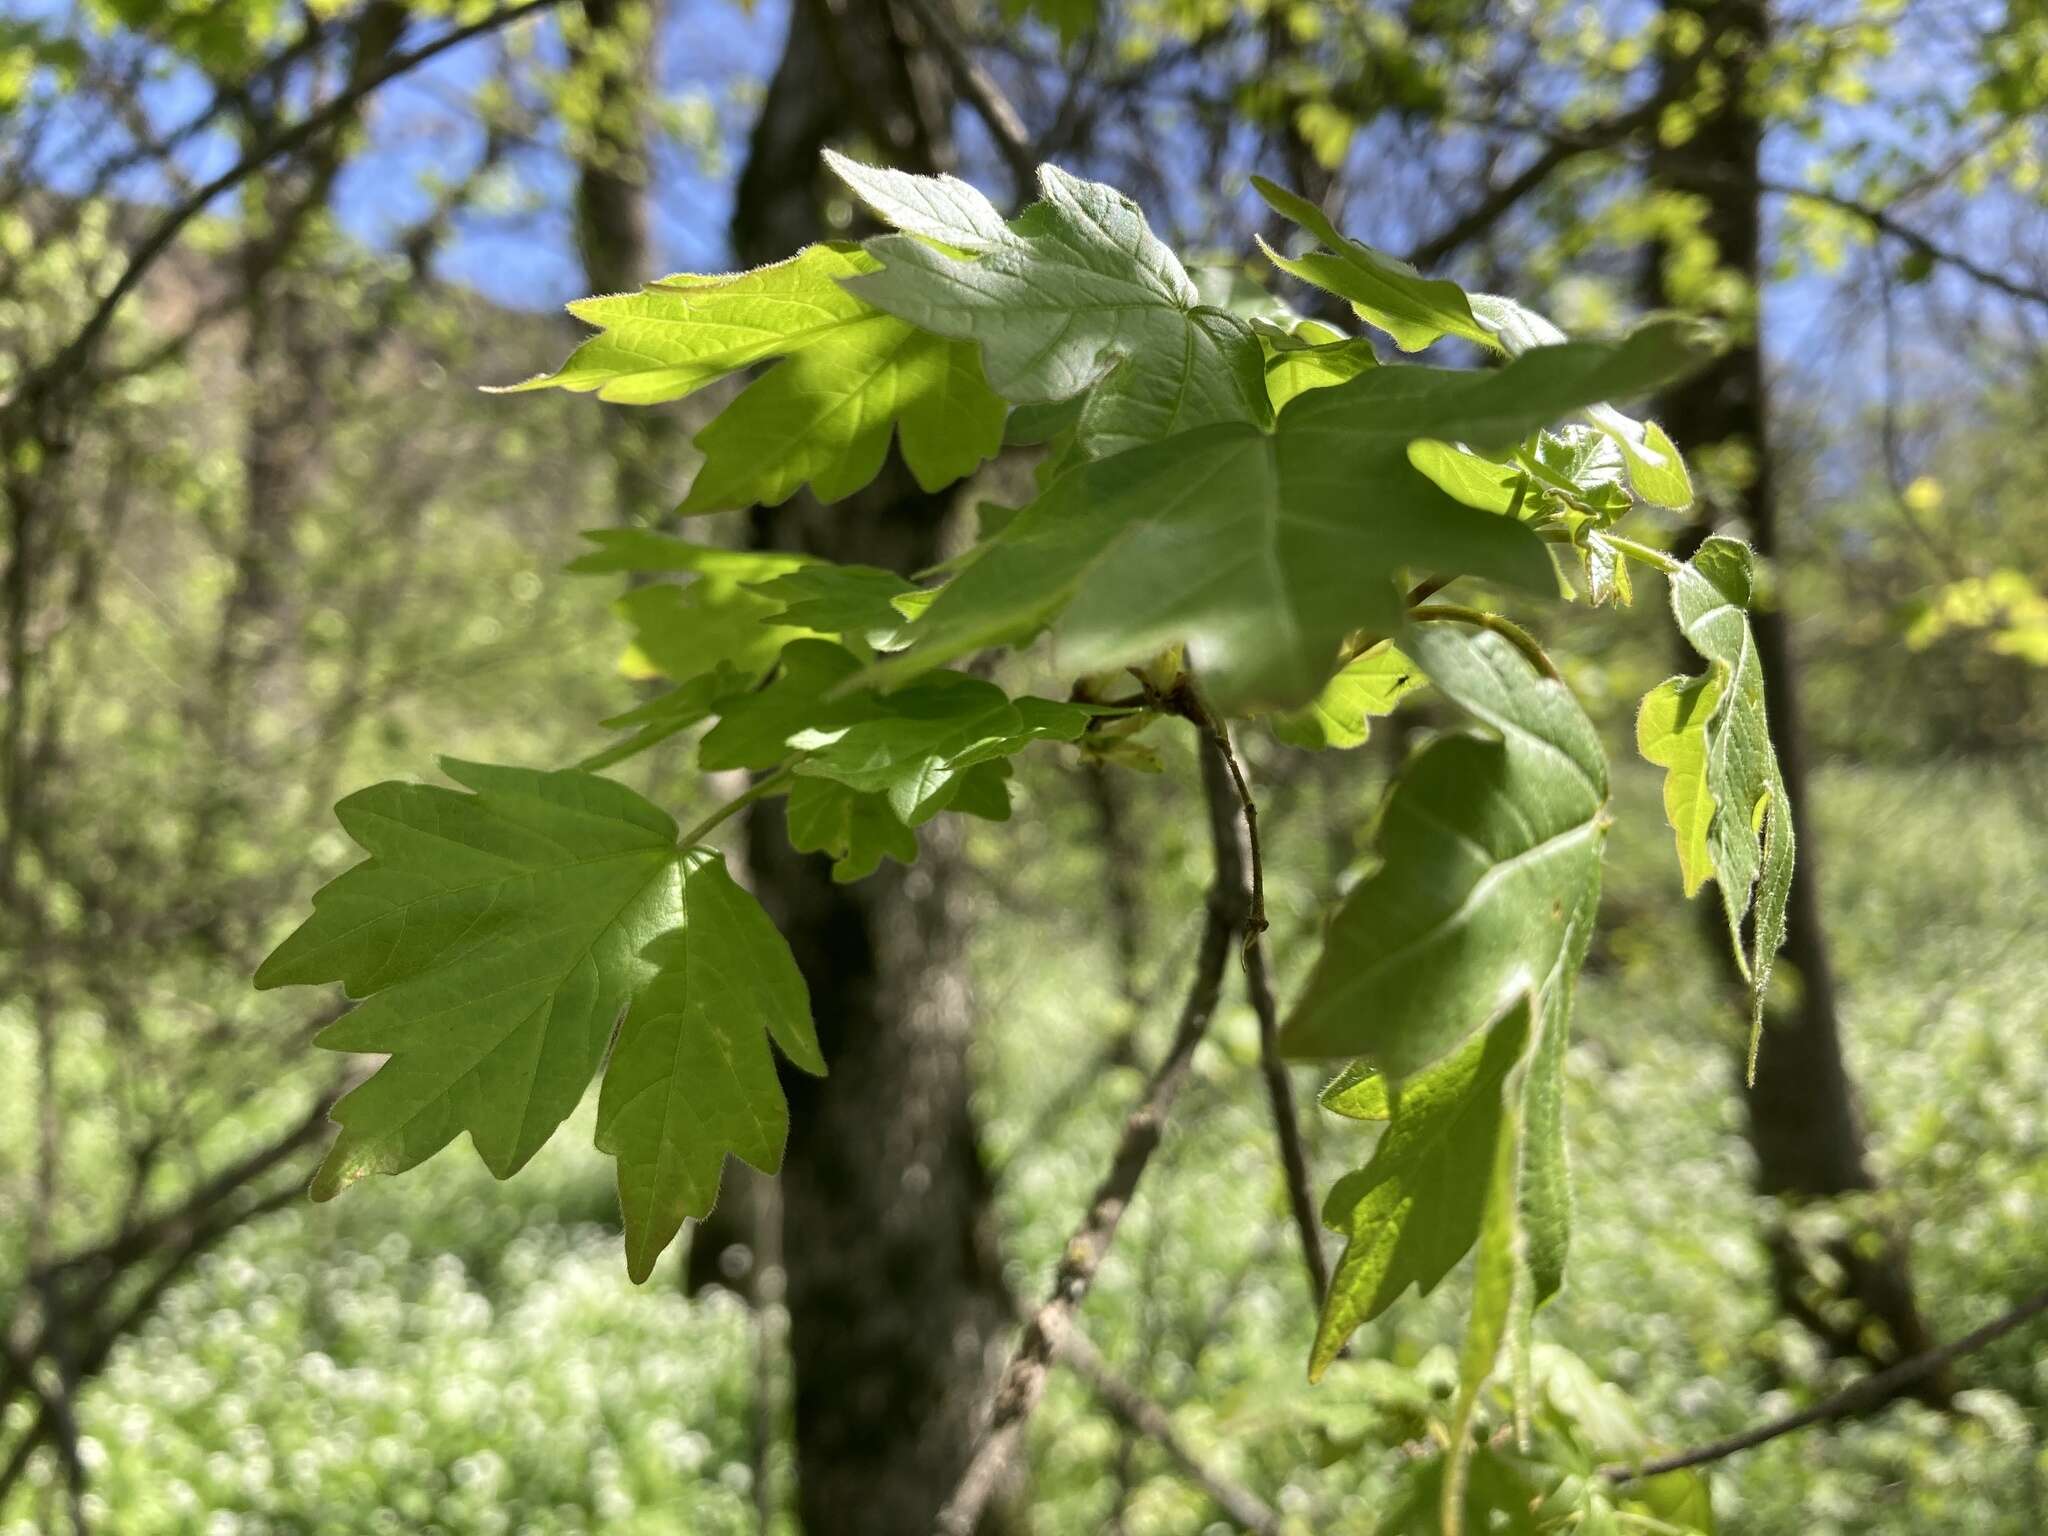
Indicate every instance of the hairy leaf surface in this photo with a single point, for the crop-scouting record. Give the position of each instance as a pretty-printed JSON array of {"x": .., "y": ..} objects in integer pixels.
[
  {"x": 1075, "y": 294},
  {"x": 1750, "y": 838}
]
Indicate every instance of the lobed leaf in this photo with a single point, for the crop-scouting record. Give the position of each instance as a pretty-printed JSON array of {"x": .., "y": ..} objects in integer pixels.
[
  {"x": 850, "y": 376},
  {"x": 692, "y": 1077},
  {"x": 1490, "y": 850},
  {"x": 493, "y": 938},
  {"x": 1262, "y": 551},
  {"x": 1370, "y": 685},
  {"x": 1074, "y": 295}
]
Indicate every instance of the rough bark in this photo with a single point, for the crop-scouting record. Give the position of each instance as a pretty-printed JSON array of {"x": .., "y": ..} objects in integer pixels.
[
  {"x": 1804, "y": 1123},
  {"x": 894, "y": 1292}
]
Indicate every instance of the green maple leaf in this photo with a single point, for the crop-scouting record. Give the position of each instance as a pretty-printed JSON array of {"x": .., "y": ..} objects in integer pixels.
[
  {"x": 1262, "y": 551},
  {"x": 911, "y": 747},
  {"x": 916, "y": 745},
  {"x": 713, "y": 621},
  {"x": 1385, "y": 293},
  {"x": 1311, "y": 357},
  {"x": 1414, "y": 1210},
  {"x": 1489, "y": 850},
  {"x": 1366, "y": 687},
  {"x": 854, "y": 830},
  {"x": 1075, "y": 294},
  {"x": 1750, "y": 838},
  {"x": 493, "y": 938},
  {"x": 849, "y": 376},
  {"x": 692, "y": 1077},
  {"x": 1452, "y": 968},
  {"x": 860, "y": 601}
]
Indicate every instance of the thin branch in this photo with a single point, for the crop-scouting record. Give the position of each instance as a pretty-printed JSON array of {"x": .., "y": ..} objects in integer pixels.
[
  {"x": 71, "y": 360},
  {"x": 1134, "y": 1410},
  {"x": 1871, "y": 1392},
  {"x": 1885, "y": 223},
  {"x": 1259, "y": 987},
  {"x": 994, "y": 108},
  {"x": 1023, "y": 1381}
]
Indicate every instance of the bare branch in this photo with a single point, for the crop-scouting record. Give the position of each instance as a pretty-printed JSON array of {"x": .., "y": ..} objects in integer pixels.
[
  {"x": 1133, "y": 1409},
  {"x": 1872, "y": 1391},
  {"x": 1017, "y": 1394},
  {"x": 71, "y": 359},
  {"x": 994, "y": 108}
]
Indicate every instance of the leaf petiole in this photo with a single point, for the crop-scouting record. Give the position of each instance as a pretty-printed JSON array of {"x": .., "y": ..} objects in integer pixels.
[
  {"x": 773, "y": 784},
  {"x": 1645, "y": 554},
  {"x": 1507, "y": 629}
]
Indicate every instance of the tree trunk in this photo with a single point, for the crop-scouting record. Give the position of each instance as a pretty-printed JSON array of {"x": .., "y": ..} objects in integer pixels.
[
  {"x": 895, "y": 1296},
  {"x": 1803, "y": 1120},
  {"x": 614, "y": 41}
]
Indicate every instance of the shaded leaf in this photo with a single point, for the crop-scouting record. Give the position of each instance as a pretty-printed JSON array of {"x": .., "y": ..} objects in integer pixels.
[
  {"x": 856, "y": 831},
  {"x": 1489, "y": 849},
  {"x": 1263, "y": 551}
]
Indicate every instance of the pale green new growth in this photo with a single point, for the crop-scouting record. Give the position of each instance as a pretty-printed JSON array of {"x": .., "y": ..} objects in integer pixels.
[
  {"x": 1366, "y": 687},
  {"x": 851, "y": 377},
  {"x": 1750, "y": 838},
  {"x": 1671, "y": 731}
]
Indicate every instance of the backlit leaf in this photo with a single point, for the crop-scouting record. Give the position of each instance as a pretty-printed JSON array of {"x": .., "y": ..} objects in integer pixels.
[
  {"x": 692, "y": 1078},
  {"x": 1076, "y": 294}
]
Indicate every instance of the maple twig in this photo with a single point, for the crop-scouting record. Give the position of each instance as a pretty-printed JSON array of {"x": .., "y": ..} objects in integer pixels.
[
  {"x": 1133, "y": 1409},
  {"x": 1259, "y": 988},
  {"x": 1871, "y": 1392},
  {"x": 1022, "y": 1384}
]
